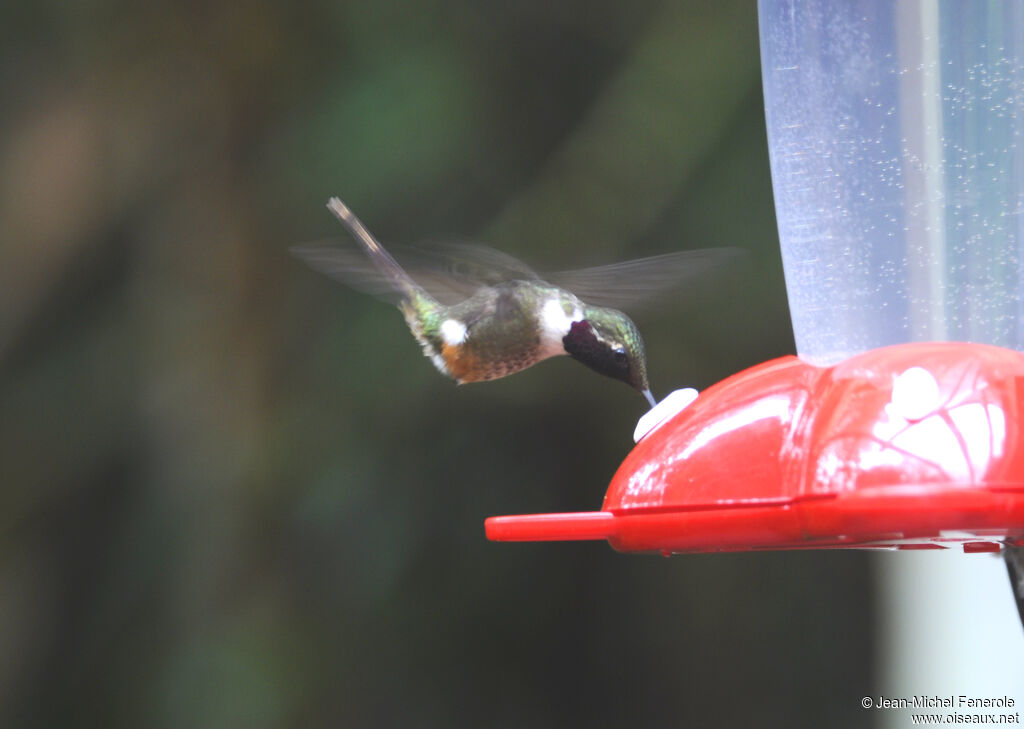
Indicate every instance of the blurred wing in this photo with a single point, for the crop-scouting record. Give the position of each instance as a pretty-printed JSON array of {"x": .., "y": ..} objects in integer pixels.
[
  {"x": 453, "y": 271},
  {"x": 355, "y": 269},
  {"x": 622, "y": 285},
  {"x": 475, "y": 262}
]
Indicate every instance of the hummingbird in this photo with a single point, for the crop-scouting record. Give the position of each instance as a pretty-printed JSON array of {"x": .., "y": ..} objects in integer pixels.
[{"x": 489, "y": 315}]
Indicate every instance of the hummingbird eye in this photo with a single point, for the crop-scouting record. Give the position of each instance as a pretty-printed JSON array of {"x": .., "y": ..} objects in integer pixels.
[{"x": 619, "y": 353}]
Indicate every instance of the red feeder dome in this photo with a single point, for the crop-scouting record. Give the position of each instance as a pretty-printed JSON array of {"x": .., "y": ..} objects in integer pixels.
[{"x": 914, "y": 446}]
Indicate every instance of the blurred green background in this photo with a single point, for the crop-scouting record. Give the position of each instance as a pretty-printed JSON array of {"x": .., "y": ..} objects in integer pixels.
[{"x": 234, "y": 494}]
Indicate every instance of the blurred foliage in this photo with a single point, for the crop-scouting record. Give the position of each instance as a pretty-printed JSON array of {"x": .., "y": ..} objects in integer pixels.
[{"x": 235, "y": 495}]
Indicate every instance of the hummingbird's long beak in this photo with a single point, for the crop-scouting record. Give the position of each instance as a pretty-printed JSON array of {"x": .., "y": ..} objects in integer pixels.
[{"x": 650, "y": 398}]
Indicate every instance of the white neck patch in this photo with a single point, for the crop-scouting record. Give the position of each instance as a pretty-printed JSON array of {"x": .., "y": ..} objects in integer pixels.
[{"x": 555, "y": 324}]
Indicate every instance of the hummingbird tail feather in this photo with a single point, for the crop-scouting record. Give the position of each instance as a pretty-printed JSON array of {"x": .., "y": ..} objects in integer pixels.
[{"x": 384, "y": 261}]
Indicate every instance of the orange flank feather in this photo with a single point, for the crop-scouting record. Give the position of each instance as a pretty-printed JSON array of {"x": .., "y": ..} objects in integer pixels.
[{"x": 461, "y": 365}]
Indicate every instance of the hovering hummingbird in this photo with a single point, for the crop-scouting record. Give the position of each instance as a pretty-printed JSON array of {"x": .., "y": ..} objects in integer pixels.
[{"x": 495, "y": 316}]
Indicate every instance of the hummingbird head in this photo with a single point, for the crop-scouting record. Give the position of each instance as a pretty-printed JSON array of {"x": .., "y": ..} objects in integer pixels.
[{"x": 607, "y": 341}]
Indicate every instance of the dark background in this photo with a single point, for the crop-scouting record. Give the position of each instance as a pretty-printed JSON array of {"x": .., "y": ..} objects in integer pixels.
[{"x": 234, "y": 494}]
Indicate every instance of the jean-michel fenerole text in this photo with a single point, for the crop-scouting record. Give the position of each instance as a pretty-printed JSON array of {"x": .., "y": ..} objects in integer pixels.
[{"x": 944, "y": 702}]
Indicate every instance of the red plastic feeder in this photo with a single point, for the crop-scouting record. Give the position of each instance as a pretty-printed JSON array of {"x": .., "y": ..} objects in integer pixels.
[{"x": 915, "y": 446}]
